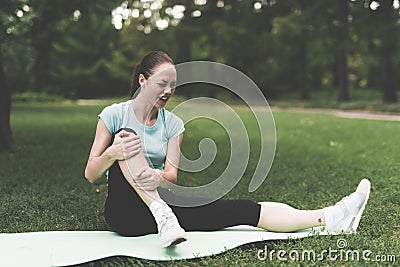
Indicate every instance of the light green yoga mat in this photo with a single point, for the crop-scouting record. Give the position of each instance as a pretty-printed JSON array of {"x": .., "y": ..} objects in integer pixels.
[{"x": 61, "y": 248}]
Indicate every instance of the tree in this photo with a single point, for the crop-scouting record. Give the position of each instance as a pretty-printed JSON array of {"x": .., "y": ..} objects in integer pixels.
[
  {"x": 388, "y": 32},
  {"x": 376, "y": 24},
  {"x": 15, "y": 18},
  {"x": 291, "y": 31},
  {"x": 341, "y": 30},
  {"x": 5, "y": 108},
  {"x": 38, "y": 25},
  {"x": 79, "y": 58}
]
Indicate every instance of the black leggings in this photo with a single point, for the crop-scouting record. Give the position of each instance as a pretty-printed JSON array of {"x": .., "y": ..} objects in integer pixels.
[{"x": 127, "y": 214}]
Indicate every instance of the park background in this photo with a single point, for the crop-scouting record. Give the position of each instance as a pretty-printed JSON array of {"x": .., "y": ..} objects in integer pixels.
[{"x": 61, "y": 62}]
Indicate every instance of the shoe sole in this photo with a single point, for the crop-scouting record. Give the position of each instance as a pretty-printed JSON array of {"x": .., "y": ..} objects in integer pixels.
[
  {"x": 175, "y": 242},
  {"x": 356, "y": 219}
]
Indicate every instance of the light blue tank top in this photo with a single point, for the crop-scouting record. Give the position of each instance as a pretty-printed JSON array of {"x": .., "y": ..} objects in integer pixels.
[{"x": 154, "y": 138}]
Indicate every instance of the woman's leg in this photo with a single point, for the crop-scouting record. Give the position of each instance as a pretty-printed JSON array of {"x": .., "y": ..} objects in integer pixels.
[
  {"x": 216, "y": 215},
  {"x": 344, "y": 216},
  {"x": 289, "y": 219},
  {"x": 225, "y": 213},
  {"x": 124, "y": 210},
  {"x": 132, "y": 166},
  {"x": 220, "y": 214},
  {"x": 170, "y": 231}
]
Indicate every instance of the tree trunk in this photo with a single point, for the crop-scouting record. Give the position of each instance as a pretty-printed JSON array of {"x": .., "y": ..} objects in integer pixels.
[
  {"x": 303, "y": 64},
  {"x": 388, "y": 48},
  {"x": 341, "y": 52},
  {"x": 5, "y": 109},
  {"x": 388, "y": 86},
  {"x": 342, "y": 72}
]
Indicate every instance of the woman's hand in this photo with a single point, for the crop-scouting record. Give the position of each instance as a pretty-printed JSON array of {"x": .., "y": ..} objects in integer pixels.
[
  {"x": 125, "y": 146},
  {"x": 148, "y": 179}
]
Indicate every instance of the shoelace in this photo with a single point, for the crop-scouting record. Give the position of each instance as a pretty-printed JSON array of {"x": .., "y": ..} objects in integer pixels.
[{"x": 342, "y": 202}]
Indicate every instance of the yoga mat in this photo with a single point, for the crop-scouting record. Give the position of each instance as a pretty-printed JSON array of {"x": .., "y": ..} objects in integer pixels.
[{"x": 62, "y": 248}]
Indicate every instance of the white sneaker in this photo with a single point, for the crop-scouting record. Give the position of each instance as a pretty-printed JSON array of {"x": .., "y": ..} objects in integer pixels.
[
  {"x": 350, "y": 209},
  {"x": 169, "y": 230}
]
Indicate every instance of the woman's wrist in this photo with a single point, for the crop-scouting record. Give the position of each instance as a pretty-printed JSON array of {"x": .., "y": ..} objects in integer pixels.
[
  {"x": 109, "y": 156},
  {"x": 160, "y": 174},
  {"x": 165, "y": 181}
]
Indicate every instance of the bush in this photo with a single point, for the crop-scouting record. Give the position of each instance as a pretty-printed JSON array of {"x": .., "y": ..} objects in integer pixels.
[{"x": 35, "y": 97}]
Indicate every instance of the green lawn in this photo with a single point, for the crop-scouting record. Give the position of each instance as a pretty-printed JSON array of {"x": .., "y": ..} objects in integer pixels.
[{"x": 319, "y": 159}]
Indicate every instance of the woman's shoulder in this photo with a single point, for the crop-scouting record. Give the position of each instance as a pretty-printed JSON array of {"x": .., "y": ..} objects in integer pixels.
[
  {"x": 169, "y": 116},
  {"x": 117, "y": 108},
  {"x": 113, "y": 115},
  {"x": 119, "y": 105},
  {"x": 173, "y": 124}
]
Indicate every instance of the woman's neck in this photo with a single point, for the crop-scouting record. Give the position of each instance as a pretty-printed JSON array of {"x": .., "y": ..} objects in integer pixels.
[{"x": 145, "y": 111}]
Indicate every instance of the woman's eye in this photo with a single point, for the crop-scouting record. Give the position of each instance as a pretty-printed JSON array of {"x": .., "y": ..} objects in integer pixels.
[
  {"x": 173, "y": 85},
  {"x": 162, "y": 84}
]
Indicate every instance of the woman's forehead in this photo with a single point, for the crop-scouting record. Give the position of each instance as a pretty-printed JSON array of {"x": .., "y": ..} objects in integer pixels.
[{"x": 164, "y": 71}]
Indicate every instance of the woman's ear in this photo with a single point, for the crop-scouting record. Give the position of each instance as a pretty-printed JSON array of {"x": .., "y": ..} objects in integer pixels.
[{"x": 142, "y": 80}]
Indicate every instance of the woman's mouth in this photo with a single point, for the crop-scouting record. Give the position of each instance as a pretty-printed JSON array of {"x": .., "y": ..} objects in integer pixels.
[{"x": 164, "y": 98}]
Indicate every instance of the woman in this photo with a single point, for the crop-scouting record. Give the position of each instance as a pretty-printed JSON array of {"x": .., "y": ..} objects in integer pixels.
[{"x": 144, "y": 155}]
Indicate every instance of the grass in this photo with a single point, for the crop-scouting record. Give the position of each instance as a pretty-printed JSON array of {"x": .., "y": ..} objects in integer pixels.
[
  {"x": 319, "y": 159},
  {"x": 360, "y": 99}
]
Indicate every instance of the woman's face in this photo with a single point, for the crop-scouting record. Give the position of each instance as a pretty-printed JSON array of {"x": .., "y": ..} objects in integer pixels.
[{"x": 160, "y": 86}]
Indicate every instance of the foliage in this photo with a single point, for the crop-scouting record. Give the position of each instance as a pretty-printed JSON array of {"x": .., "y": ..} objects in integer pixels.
[
  {"x": 16, "y": 19},
  {"x": 80, "y": 57},
  {"x": 35, "y": 97},
  {"x": 13, "y": 25},
  {"x": 86, "y": 49}
]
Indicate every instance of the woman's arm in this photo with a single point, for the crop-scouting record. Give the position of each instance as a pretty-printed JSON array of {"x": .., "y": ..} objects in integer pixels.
[
  {"x": 102, "y": 155},
  {"x": 170, "y": 172}
]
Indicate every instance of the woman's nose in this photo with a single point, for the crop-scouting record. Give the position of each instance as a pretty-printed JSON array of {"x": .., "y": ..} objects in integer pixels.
[{"x": 168, "y": 90}]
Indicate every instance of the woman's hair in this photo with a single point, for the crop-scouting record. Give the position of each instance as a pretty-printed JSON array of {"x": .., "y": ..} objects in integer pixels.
[{"x": 146, "y": 67}]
